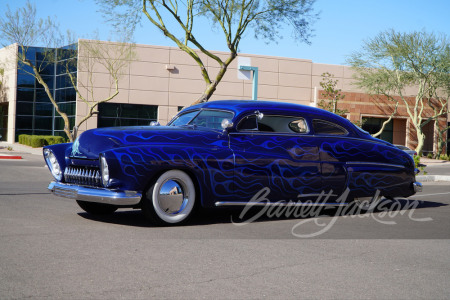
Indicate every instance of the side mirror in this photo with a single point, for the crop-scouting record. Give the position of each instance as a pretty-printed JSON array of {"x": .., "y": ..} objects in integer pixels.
[
  {"x": 226, "y": 124},
  {"x": 154, "y": 123},
  {"x": 259, "y": 115}
]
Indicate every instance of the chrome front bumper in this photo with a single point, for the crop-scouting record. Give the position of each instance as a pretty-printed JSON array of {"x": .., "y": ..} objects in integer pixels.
[
  {"x": 98, "y": 195},
  {"x": 417, "y": 187}
]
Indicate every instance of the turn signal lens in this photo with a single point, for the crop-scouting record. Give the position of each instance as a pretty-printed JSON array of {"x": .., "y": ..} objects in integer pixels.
[{"x": 105, "y": 171}]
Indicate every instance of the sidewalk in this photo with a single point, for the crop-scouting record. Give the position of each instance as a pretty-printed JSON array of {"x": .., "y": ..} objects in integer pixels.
[
  {"x": 17, "y": 150},
  {"x": 428, "y": 161},
  {"x": 436, "y": 169}
]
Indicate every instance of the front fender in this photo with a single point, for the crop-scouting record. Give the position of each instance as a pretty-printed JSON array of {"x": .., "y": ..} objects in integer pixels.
[
  {"x": 62, "y": 152},
  {"x": 134, "y": 168}
]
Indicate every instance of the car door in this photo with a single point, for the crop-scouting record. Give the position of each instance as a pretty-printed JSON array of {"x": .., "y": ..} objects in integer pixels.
[
  {"x": 333, "y": 151},
  {"x": 270, "y": 154}
]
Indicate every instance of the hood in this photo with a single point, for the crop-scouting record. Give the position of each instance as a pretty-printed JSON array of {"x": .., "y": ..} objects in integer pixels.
[{"x": 92, "y": 142}]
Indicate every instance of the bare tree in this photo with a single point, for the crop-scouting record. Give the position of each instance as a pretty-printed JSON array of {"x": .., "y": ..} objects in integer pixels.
[
  {"x": 113, "y": 58},
  {"x": 23, "y": 28},
  {"x": 438, "y": 101},
  {"x": 177, "y": 20},
  {"x": 392, "y": 62}
]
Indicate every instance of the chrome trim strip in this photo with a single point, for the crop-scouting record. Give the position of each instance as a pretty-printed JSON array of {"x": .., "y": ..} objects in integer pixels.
[
  {"x": 98, "y": 195},
  {"x": 417, "y": 187},
  {"x": 289, "y": 204},
  {"x": 374, "y": 163}
]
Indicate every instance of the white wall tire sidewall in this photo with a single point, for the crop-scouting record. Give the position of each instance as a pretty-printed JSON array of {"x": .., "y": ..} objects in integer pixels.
[{"x": 180, "y": 176}]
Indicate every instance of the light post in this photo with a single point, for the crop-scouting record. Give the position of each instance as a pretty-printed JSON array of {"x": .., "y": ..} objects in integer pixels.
[{"x": 255, "y": 79}]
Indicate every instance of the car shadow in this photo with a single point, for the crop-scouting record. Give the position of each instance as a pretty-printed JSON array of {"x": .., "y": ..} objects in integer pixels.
[{"x": 135, "y": 218}]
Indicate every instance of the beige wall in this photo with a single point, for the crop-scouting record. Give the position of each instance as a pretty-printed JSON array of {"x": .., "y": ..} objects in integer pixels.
[
  {"x": 147, "y": 80},
  {"x": 8, "y": 62},
  {"x": 169, "y": 78}
]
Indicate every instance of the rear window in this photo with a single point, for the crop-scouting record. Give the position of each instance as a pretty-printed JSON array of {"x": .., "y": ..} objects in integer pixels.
[{"x": 322, "y": 127}]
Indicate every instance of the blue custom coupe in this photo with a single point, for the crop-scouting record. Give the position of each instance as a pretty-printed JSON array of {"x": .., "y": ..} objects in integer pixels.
[{"x": 225, "y": 153}]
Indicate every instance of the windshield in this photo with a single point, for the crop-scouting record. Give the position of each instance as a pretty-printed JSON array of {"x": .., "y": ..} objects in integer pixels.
[
  {"x": 184, "y": 119},
  {"x": 205, "y": 118}
]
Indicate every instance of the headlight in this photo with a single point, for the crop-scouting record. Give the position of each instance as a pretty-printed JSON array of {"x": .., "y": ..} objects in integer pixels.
[
  {"x": 104, "y": 171},
  {"x": 53, "y": 164}
]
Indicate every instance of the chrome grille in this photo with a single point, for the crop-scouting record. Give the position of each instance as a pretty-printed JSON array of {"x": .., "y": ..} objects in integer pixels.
[{"x": 82, "y": 175}]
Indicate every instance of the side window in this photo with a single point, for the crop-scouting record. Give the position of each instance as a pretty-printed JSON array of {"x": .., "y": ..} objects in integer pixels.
[
  {"x": 277, "y": 124},
  {"x": 328, "y": 128},
  {"x": 248, "y": 123}
]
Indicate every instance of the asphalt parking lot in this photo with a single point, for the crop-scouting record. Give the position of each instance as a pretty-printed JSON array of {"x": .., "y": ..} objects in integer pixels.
[{"x": 49, "y": 248}]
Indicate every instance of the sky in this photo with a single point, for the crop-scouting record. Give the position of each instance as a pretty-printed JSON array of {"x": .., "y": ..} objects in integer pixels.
[{"x": 341, "y": 29}]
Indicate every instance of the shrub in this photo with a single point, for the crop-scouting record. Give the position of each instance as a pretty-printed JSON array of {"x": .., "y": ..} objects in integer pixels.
[
  {"x": 52, "y": 140},
  {"x": 36, "y": 141},
  {"x": 430, "y": 155},
  {"x": 416, "y": 160},
  {"x": 21, "y": 138},
  {"x": 444, "y": 157}
]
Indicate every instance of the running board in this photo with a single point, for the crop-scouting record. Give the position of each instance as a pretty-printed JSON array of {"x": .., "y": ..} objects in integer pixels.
[{"x": 225, "y": 203}]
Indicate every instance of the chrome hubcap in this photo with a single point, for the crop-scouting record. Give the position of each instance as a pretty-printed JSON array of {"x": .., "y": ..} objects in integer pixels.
[{"x": 172, "y": 196}]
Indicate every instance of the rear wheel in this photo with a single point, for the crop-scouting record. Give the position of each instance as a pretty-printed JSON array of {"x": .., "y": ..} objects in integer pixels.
[
  {"x": 170, "y": 200},
  {"x": 97, "y": 208}
]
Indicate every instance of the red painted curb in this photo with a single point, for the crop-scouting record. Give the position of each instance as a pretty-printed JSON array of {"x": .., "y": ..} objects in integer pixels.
[{"x": 10, "y": 157}]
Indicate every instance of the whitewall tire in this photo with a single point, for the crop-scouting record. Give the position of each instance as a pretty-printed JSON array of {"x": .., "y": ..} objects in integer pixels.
[{"x": 171, "y": 199}]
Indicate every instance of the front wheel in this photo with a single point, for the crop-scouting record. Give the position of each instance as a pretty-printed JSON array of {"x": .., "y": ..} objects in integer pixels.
[
  {"x": 97, "y": 208},
  {"x": 170, "y": 200}
]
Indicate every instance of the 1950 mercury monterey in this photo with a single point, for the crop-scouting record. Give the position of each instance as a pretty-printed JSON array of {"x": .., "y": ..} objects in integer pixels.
[{"x": 223, "y": 153}]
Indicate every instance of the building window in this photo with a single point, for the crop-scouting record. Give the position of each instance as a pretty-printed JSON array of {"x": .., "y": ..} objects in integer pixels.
[
  {"x": 120, "y": 114},
  {"x": 35, "y": 113},
  {"x": 373, "y": 125},
  {"x": 448, "y": 139},
  {"x": 3, "y": 121}
]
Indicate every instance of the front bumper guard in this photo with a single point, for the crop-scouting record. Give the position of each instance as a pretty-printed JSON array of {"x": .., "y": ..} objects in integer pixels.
[{"x": 98, "y": 195}]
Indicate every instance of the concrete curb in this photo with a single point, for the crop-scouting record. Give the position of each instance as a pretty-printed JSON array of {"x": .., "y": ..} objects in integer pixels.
[
  {"x": 431, "y": 178},
  {"x": 3, "y": 156}
]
